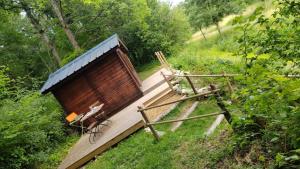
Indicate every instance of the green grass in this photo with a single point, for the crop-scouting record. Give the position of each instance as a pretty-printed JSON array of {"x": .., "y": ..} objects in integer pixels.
[
  {"x": 148, "y": 69},
  {"x": 141, "y": 151},
  {"x": 209, "y": 56}
]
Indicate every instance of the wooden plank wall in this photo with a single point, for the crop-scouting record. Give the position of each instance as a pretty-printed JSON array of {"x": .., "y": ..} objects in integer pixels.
[{"x": 107, "y": 81}]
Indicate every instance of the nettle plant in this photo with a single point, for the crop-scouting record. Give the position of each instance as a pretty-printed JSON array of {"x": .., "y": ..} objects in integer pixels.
[{"x": 269, "y": 99}]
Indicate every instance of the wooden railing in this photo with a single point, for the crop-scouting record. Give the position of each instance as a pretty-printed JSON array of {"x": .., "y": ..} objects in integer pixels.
[{"x": 214, "y": 92}]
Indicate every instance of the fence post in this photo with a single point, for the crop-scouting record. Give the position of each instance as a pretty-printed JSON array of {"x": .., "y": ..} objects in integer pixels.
[
  {"x": 221, "y": 104},
  {"x": 166, "y": 79},
  {"x": 191, "y": 83},
  {"x": 156, "y": 136},
  {"x": 228, "y": 83}
]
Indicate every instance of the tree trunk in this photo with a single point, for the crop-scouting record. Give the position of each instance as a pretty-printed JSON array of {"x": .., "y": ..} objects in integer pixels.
[
  {"x": 218, "y": 28},
  {"x": 36, "y": 24},
  {"x": 66, "y": 28},
  {"x": 203, "y": 34}
]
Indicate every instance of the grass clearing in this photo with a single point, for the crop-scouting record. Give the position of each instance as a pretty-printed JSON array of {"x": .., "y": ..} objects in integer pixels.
[
  {"x": 141, "y": 150},
  {"x": 148, "y": 69}
]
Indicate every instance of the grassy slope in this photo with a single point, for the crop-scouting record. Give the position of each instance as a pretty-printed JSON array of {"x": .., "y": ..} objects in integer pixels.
[
  {"x": 187, "y": 147},
  {"x": 141, "y": 151}
]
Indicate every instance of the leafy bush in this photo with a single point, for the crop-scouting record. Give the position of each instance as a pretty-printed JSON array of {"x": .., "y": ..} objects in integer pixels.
[
  {"x": 4, "y": 80},
  {"x": 29, "y": 129},
  {"x": 270, "y": 101}
]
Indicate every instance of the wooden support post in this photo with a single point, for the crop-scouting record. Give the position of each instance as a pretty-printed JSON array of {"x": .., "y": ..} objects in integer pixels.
[
  {"x": 158, "y": 57},
  {"x": 156, "y": 136},
  {"x": 164, "y": 58},
  {"x": 169, "y": 66},
  {"x": 228, "y": 83},
  {"x": 191, "y": 83},
  {"x": 166, "y": 79},
  {"x": 221, "y": 104}
]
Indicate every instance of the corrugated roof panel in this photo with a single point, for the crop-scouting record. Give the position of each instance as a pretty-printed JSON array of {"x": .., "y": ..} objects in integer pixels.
[
  {"x": 81, "y": 62},
  {"x": 71, "y": 69}
]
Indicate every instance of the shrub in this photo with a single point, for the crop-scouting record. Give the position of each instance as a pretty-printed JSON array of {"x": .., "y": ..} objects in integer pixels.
[{"x": 29, "y": 128}]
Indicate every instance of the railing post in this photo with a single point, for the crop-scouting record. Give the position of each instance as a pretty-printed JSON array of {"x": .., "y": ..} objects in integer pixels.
[
  {"x": 156, "y": 136},
  {"x": 228, "y": 83},
  {"x": 166, "y": 79},
  {"x": 191, "y": 83},
  {"x": 221, "y": 104}
]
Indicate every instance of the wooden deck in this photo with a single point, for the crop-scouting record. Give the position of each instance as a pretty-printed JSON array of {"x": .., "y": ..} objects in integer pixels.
[
  {"x": 83, "y": 150},
  {"x": 154, "y": 81}
]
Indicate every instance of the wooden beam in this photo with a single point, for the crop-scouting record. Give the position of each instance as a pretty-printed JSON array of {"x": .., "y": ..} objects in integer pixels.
[
  {"x": 215, "y": 75},
  {"x": 167, "y": 80},
  {"x": 128, "y": 62},
  {"x": 221, "y": 104},
  {"x": 160, "y": 59},
  {"x": 228, "y": 83},
  {"x": 147, "y": 122},
  {"x": 185, "y": 119},
  {"x": 180, "y": 100},
  {"x": 164, "y": 58},
  {"x": 137, "y": 83},
  {"x": 185, "y": 114},
  {"x": 191, "y": 83}
]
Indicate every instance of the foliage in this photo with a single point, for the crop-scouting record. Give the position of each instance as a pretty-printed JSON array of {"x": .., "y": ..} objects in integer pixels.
[
  {"x": 207, "y": 12},
  {"x": 30, "y": 128},
  {"x": 71, "y": 56},
  {"x": 270, "y": 101},
  {"x": 21, "y": 50},
  {"x": 4, "y": 81},
  {"x": 145, "y": 26}
]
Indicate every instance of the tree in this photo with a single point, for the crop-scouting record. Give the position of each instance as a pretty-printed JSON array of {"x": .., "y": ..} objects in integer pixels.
[
  {"x": 18, "y": 6},
  {"x": 58, "y": 11},
  {"x": 198, "y": 20},
  {"x": 36, "y": 24},
  {"x": 205, "y": 12},
  {"x": 268, "y": 99}
]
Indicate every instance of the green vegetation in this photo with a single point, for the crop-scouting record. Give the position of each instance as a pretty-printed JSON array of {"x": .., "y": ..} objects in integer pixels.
[
  {"x": 141, "y": 151},
  {"x": 261, "y": 46},
  {"x": 203, "y": 13},
  {"x": 37, "y": 37}
]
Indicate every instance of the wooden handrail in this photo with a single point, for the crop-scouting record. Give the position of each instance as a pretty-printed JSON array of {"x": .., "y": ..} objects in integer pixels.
[
  {"x": 227, "y": 75},
  {"x": 189, "y": 118},
  {"x": 179, "y": 100},
  {"x": 215, "y": 75}
]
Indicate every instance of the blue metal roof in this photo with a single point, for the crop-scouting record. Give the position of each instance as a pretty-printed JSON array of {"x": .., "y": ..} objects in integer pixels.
[{"x": 81, "y": 61}]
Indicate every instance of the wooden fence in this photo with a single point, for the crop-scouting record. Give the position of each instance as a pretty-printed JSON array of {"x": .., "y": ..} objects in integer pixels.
[{"x": 213, "y": 91}]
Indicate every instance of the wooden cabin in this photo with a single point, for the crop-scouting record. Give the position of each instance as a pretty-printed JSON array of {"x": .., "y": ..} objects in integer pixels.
[{"x": 102, "y": 74}]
